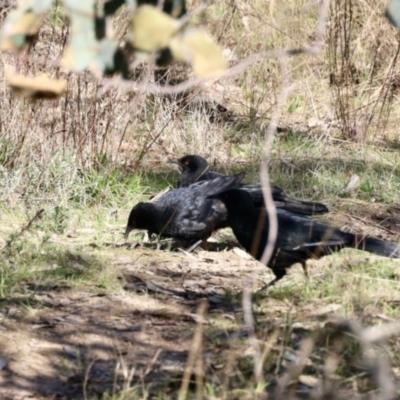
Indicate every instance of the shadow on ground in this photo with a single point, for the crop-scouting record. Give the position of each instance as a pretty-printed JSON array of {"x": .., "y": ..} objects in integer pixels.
[{"x": 58, "y": 341}]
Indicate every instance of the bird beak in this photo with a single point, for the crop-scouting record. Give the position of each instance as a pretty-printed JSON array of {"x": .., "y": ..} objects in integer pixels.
[
  {"x": 173, "y": 161},
  {"x": 127, "y": 232}
]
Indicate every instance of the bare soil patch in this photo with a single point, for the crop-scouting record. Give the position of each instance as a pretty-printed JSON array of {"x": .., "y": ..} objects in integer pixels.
[{"x": 59, "y": 341}]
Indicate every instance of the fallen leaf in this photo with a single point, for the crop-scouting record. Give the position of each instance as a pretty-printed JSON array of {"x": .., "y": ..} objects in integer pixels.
[
  {"x": 330, "y": 308},
  {"x": 40, "y": 87},
  {"x": 353, "y": 183},
  {"x": 308, "y": 380},
  {"x": 242, "y": 254},
  {"x": 72, "y": 352},
  {"x": 20, "y": 27},
  {"x": 40, "y": 326}
]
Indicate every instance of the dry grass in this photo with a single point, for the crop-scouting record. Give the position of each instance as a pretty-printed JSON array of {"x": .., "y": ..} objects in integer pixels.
[{"x": 88, "y": 157}]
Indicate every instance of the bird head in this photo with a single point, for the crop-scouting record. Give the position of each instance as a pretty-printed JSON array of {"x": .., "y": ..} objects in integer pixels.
[
  {"x": 190, "y": 163},
  {"x": 139, "y": 218}
]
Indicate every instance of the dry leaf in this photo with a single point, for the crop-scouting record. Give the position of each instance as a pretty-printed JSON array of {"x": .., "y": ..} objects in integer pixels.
[
  {"x": 18, "y": 29},
  {"x": 40, "y": 87},
  {"x": 242, "y": 254},
  {"x": 308, "y": 380},
  {"x": 152, "y": 29},
  {"x": 330, "y": 308},
  {"x": 198, "y": 48},
  {"x": 354, "y": 183}
]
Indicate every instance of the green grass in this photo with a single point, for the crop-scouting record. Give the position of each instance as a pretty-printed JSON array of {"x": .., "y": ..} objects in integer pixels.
[
  {"x": 74, "y": 247},
  {"x": 35, "y": 259},
  {"x": 78, "y": 159}
]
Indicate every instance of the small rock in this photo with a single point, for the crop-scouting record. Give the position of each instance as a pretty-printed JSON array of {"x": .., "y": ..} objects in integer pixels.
[{"x": 4, "y": 362}]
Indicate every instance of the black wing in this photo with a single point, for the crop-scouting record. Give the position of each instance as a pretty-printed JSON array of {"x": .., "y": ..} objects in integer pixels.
[
  {"x": 286, "y": 203},
  {"x": 189, "y": 214}
]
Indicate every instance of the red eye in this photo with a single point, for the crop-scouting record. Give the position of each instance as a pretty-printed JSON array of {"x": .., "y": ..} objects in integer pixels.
[{"x": 186, "y": 163}]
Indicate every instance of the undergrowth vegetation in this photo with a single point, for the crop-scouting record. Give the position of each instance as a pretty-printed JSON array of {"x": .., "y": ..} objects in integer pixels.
[{"x": 71, "y": 169}]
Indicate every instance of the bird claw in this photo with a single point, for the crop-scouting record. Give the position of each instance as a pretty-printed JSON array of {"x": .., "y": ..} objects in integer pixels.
[{"x": 268, "y": 285}]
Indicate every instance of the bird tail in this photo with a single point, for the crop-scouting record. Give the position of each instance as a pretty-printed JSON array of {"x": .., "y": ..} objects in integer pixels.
[{"x": 377, "y": 246}]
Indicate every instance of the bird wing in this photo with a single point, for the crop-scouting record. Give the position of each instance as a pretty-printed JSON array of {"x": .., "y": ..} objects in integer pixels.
[
  {"x": 186, "y": 213},
  {"x": 297, "y": 232},
  {"x": 210, "y": 175},
  {"x": 204, "y": 214},
  {"x": 257, "y": 195}
]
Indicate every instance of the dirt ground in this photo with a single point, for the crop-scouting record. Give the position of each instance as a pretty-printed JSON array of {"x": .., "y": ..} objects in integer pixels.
[
  {"x": 56, "y": 339},
  {"x": 59, "y": 342}
]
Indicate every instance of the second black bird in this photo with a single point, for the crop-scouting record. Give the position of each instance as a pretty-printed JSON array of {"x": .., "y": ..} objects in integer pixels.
[{"x": 299, "y": 238}]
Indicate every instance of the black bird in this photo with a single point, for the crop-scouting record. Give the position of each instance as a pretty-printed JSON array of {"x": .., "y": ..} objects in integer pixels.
[
  {"x": 185, "y": 213},
  {"x": 195, "y": 168},
  {"x": 299, "y": 238}
]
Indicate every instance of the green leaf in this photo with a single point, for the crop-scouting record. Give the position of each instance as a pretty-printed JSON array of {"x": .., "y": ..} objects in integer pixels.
[
  {"x": 83, "y": 45},
  {"x": 37, "y": 6},
  {"x": 392, "y": 12},
  {"x": 104, "y": 58},
  {"x": 85, "y": 51},
  {"x": 76, "y": 7}
]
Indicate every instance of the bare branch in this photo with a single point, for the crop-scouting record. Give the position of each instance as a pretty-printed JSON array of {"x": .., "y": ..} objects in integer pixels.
[{"x": 314, "y": 49}]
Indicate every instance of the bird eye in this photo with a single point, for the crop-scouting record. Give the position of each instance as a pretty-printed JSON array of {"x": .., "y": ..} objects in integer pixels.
[{"x": 186, "y": 163}]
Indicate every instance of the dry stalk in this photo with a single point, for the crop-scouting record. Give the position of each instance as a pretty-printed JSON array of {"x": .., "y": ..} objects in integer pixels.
[
  {"x": 194, "y": 353},
  {"x": 270, "y": 206},
  {"x": 29, "y": 225},
  {"x": 295, "y": 369}
]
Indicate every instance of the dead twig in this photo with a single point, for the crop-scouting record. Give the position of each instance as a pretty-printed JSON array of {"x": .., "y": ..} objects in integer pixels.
[
  {"x": 35, "y": 218},
  {"x": 194, "y": 353}
]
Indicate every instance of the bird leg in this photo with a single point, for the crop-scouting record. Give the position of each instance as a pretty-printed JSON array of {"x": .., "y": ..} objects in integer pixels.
[
  {"x": 194, "y": 246},
  {"x": 269, "y": 284},
  {"x": 304, "y": 266}
]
